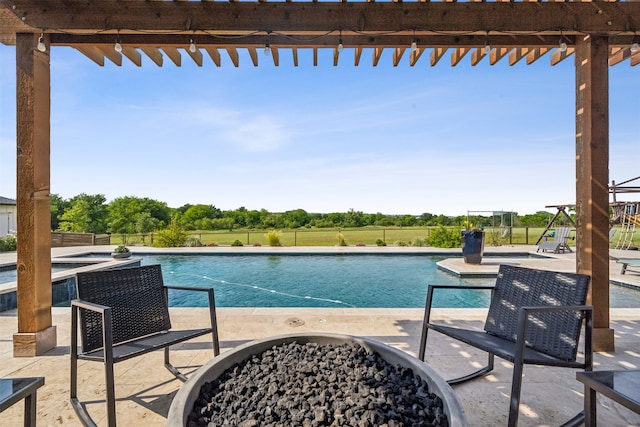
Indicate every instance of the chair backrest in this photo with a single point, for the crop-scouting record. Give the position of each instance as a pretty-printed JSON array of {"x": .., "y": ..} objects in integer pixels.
[
  {"x": 137, "y": 299},
  {"x": 562, "y": 234},
  {"x": 556, "y": 334}
]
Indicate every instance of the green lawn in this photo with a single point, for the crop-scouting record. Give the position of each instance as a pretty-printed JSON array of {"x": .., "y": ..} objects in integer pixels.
[{"x": 358, "y": 236}]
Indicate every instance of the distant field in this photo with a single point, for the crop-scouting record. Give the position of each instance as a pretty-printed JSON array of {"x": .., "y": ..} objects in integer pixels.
[{"x": 356, "y": 236}]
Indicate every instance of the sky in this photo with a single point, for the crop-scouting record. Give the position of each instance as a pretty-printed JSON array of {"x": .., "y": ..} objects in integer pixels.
[{"x": 395, "y": 140}]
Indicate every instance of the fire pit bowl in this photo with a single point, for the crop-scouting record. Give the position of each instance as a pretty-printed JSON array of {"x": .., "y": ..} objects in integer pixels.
[{"x": 184, "y": 401}]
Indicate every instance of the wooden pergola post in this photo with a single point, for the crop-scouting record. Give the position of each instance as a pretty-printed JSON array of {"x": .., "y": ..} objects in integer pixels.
[
  {"x": 592, "y": 179},
  {"x": 35, "y": 335}
]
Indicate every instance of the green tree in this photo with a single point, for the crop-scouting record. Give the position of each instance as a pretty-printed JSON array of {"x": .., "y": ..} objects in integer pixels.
[
  {"x": 192, "y": 217},
  {"x": 86, "y": 214},
  {"x": 146, "y": 223},
  {"x": 538, "y": 219},
  {"x": 58, "y": 206},
  {"x": 406, "y": 221},
  {"x": 295, "y": 218},
  {"x": 124, "y": 213}
]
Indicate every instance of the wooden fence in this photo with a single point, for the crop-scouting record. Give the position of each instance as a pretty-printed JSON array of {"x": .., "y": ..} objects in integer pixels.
[{"x": 60, "y": 240}]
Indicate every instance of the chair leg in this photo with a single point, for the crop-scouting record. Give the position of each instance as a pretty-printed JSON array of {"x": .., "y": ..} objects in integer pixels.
[
  {"x": 482, "y": 371},
  {"x": 516, "y": 388},
  {"x": 171, "y": 368},
  {"x": 111, "y": 394}
]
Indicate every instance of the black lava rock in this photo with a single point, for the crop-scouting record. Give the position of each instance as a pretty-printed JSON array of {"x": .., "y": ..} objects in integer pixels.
[{"x": 317, "y": 385}]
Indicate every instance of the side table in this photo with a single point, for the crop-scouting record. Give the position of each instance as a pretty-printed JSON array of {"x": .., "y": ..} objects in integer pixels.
[
  {"x": 622, "y": 387},
  {"x": 13, "y": 390}
]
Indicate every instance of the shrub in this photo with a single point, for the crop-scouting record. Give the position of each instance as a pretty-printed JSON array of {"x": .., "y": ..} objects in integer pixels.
[
  {"x": 172, "y": 237},
  {"x": 8, "y": 244},
  {"x": 442, "y": 237},
  {"x": 400, "y": 243},
  {"x": 273, "y": 237},
  {"x": 381, "y": 242},
  {"x": 420, "y": 241},
  {"x": 257, "y": 244},
  {"x": 237, "y": 243},
  {"x": 193, "y": 242},
  {"x": 341, "y": 240}
]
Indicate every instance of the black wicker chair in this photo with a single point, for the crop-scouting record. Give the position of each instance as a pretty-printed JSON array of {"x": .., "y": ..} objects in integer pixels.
[
  {"x": 535, "y": 317},
  {"x": 124, "y": 313}
]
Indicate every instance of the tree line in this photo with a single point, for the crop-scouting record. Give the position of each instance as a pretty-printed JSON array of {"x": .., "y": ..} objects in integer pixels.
[{"x": 130, "y": 215}]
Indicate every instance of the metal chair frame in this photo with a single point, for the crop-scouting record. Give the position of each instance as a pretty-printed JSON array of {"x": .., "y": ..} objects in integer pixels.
[
  {"x": 111, "y": 322},
  {"x": 520, "y": 348}
]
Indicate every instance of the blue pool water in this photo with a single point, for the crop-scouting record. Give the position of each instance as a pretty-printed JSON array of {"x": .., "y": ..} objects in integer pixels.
[
  {"x": 11, "y": 275},
  {"x": 313, "y": 280},
  {"x": 366, "y": 281}
]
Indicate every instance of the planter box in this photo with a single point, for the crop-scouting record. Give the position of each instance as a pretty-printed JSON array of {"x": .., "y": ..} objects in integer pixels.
[{"x": 472, "y": 246}]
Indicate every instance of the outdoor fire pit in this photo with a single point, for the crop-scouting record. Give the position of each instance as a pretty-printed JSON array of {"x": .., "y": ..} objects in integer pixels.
[{"x": 368, "y": 382}]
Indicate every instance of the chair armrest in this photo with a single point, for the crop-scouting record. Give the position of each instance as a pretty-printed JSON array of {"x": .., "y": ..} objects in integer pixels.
[
  {"x": 187, "y": 288},
  {"x": 212, "y": 309},
  {"x": 431, "y": 288},
  {"x": 461, "y": 287},
  {"x": 89, "y": 305},
  {"x": 107, "y": 328}
]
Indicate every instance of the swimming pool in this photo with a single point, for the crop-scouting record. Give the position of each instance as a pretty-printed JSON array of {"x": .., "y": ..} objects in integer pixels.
[
  {"x": 364, "y": 281},
  {"x": 10, "y": 274}
]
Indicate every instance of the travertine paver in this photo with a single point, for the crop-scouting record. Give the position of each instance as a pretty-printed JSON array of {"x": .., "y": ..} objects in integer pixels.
[{"x": 145, "y": 389}]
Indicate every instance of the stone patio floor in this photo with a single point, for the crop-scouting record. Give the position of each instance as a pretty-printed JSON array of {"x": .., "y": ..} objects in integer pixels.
[{"x": 144, "y": 389}]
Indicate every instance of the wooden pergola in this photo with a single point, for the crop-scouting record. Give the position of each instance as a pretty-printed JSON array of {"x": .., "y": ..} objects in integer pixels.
[{"x": 595, "y": 34}]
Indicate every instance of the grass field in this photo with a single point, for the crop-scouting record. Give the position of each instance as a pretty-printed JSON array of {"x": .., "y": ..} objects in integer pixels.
[{"x": 359, "y": 236}]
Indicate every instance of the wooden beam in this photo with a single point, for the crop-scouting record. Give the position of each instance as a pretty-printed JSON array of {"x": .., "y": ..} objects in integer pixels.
[
  {"x": 377, "y": 53},
  {"x": 235, "y": 58},
  {"x": 620, "y": 55},
  {"x": 109, "y": 52},
  {"x": 299, "y": 17},
  {"x": 457, "y": 55},
  {"x": 497, "y": 54},
  {"x": 35, "y": 335},
  {"x": 389, "y": 40},
  {"x": 534, "y": 54},
  {"x": 397, "y": 55},
  {"x": 196, "y": 56},
  {"x": 357, "y": 54},
  {"x": 133, "y": 55},
  {"x": 153, "y": 54},
  {"x": 253, "y": 54},
  {"x": 517, "y": 54},
  {"x": 91, "y": 52},
  {"x": 415, "y": 55},
  {"x": 214, "y": 54},
  {"x": 294, "y": 51},
  {"x": 437, "y": 54},
  {"x": 275, "y": 54},
  {"x": 477, "y": 56},
  {"x": 592, "y": 179},
  {"x": 557, "y": 56},
  {"x": 173, "y": 55}
]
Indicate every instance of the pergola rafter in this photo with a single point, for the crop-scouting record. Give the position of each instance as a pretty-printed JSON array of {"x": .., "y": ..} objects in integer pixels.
[{"x": 511, "y": 29}]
